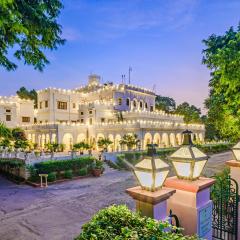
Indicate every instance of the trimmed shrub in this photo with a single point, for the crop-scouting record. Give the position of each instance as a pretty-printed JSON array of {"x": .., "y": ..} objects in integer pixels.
[
  {"x": 82, "y": 172},
  {"x": 63, "y": 165},
  {"x": 118, "y": 222},
  {"x": 68, "y": 174},
  {"x": 52, "y": 177}
]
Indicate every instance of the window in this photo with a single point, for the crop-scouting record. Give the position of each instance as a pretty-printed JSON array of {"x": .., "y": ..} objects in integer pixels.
[
  {"x": 151, "y": 108},
  {"x": 74, "y": 105},
  {"x": 127, "y": 102},
  {"x": 82, "y": 120},
  {"x": 8, "y": 110},
  {"x": 40, "y": 121},
  {"x": 40, "y": 105},
  {"x": 141, "y": 104},
  {"x": 82, "y": 113},
  {"x": 25, "y": 119},
  {"x": 8, "y": 118},
  {"x": 102, "y": 120},
  {"x": 90, "y": 121},
  {"x": 35, "y": 120},
  {"x": 90, "y": 112},
  {"x": 146, "y": 105},
  {"x": 46, "y": 104},
  {"x": 73, "y": 121},
  {"x": 134, "y": 103},
  {"x": 119, "y": 101},
  {"x": 62, "y": 105}
]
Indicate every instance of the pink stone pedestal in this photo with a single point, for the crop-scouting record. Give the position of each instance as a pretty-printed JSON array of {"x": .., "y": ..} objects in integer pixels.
[
  {"x": 235, "y": 171},
  {"x": 192, "y": 205},
  {"x": 151, "y": 204}
]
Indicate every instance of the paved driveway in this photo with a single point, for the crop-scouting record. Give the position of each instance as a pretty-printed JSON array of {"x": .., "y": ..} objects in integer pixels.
[{"x": 59, "y": 211}]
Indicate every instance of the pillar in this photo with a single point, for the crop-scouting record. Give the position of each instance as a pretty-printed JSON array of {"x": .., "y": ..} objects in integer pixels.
[
  {"x": 151, "y": 204},
  {"x": 235, "y": 172},
  {"x": 192, "y": 205}
]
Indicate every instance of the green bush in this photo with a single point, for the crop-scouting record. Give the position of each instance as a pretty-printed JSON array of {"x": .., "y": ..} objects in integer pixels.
[
  {"x": 118, "y": 222},
  {"x": 68, "y": 174},
  {"x": 52, "y": 177},
  {"x": 63, "y": 165},
  {"x": 82, "y": 172}
]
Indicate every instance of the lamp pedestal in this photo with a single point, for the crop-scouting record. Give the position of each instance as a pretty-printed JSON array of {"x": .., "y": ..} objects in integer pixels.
[
  {"x": 151, "y": 204},
  {"x": 235, "y": 171},
  {"x": 192, "y": 205}
]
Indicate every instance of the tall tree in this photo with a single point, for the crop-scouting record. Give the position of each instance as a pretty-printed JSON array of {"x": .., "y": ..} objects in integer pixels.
[
  {"x": 191, "y": 113},
  {"x": 222, "y": 57},
  {"x": 25, "y": 94},
  {"x": 29, "y": 27},
  {"x": 166, "y": 104}
]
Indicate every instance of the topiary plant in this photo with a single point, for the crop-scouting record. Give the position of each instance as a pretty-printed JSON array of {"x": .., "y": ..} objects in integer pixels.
[
  {"x": 82, "y": 172},
  {"x": 119, "y": 223},
  {"x": 68, "y": 174},
  {"x": 52, "y": 177}
]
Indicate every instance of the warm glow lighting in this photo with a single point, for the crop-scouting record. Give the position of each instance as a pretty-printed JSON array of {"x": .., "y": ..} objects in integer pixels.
[
  {"x": 188, "y": 161},
  {"x": 236, "y": 151},
  {"x": 151, "y": 172}
]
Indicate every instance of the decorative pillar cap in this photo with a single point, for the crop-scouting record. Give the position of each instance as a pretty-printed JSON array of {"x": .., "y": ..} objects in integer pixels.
[{"x": 161, "y": 195}]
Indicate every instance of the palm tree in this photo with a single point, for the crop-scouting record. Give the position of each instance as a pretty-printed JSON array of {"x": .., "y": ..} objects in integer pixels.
[
  {"x": 130, "y": 140},
  {"x": 81, "y": 146},
  {"x": 104, "y": 143}
]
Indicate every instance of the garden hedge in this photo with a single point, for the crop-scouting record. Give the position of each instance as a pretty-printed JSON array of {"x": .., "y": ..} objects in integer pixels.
[
  {"x": 119, "y": 223},
  {"x": 63, "y": 165}
]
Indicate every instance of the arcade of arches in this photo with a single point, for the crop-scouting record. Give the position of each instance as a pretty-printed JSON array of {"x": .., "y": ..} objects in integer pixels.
[{"x": 159, "y": 138}]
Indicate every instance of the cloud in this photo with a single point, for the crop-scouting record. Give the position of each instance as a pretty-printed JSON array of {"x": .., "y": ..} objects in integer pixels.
[{"x": 113, "y": 19}]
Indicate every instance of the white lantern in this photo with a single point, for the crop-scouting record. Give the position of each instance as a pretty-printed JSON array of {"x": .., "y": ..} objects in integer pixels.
[
  {"x": 151, "y": 171},
  {"x": 188, "y": 161},
  {"x": 236, "y": 151}
]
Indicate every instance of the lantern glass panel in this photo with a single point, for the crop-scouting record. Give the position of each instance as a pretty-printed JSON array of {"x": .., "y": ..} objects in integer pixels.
[
  {"x": 198, "y": 167},
  {"x": 183, "y": 169},
  {"x": 145, "y": 178},
  {"x": 237, "y": 154},
  {"x": 145, "y": 163},
  {"x": 160, "y": 178},
  {"x": 160, "y": 164}
]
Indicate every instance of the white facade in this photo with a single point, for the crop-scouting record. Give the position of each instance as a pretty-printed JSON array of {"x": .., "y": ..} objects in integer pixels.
[
  {"x": 99, "y": 110},
  {"x": 16, "y": 112}
]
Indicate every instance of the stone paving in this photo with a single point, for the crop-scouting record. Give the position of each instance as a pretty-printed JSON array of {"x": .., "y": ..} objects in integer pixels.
[{"x": 58, "y": 212}]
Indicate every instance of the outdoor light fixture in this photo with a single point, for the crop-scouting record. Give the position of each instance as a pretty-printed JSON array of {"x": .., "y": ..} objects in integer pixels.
[
  {"x": 188, "y": 161},
  {"x": 236, "y": 151},
  {"x": 151, "y": 171}
]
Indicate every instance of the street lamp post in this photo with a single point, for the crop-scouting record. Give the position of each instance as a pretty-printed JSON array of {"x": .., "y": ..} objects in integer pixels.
[
  {"x": 151, "y": 197},
  {"x": 191, "y": 202}
]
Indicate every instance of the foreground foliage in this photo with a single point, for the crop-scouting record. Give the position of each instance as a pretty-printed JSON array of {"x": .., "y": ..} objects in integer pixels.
[
  {"x": 119, "y": 223},
  {"x": 29, "y": 27},
  {"x": 222, "y": 57}
]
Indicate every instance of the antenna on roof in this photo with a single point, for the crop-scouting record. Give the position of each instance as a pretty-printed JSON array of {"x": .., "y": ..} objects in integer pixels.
[
  {"x": 123, "y": 78},
  {"x": 154, "y": 88},
  {"x": 129, "y": 74}
]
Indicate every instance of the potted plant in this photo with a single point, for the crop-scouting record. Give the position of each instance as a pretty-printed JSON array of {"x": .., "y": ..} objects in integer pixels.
[{"x": 97, "y": 168}]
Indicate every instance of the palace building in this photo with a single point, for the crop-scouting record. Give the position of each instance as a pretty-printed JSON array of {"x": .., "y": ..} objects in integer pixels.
[{"x": 95, "y": 111}]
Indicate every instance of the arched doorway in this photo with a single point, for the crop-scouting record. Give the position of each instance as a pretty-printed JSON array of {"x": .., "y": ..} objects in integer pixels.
[
  {"x": 147, "y": 140},
  {"x": 68, "y": 141}
]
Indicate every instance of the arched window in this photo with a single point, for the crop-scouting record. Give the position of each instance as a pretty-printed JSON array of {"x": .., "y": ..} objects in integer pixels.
[
  {"x": 146, "y": 105},
  {"x": 134, "y": 103},
  {"x": 141, "y": 104},
  {"x": 127, "y": 101},
  {"x": 119, "y": 101}
]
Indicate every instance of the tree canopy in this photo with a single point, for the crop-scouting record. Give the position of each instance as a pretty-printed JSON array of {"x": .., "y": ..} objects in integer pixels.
[
  {"x": 28, "y": 28},
  {"x": 26, "y": 94},
  {"x": 166, "y": 104},
  {"x": 222, "y": 57},
  {"x": 191, "y": 113}
]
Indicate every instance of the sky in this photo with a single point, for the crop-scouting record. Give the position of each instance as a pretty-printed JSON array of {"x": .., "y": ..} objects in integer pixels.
[{"x": 160, "y": 39}]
